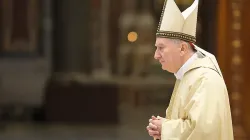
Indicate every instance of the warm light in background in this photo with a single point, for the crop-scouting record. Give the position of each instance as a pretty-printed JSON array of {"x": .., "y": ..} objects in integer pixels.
[{"x": 132, "y": 36}]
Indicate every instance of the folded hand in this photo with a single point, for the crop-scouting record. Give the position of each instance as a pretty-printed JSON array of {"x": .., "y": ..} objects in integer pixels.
[{"x": 154, "y": 127}]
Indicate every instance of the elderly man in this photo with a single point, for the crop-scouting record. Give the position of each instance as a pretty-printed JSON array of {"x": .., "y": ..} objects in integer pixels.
[{"x": 199, "y": 108}]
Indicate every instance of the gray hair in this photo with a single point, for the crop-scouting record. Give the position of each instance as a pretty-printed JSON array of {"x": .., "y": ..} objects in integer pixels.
[{"x": 178, "y": 41}]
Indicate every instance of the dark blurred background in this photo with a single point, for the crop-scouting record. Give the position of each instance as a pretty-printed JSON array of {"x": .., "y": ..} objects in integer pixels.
[{"x": 84, "y": 69}]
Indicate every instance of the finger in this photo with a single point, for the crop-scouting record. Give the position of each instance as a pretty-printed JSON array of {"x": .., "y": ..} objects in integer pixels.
[
  {"x": 157, "y": 136},
  {"x": 153, "y": 122},
  {"x": 153, "y": 133},
  {"x": 156, "y": 122},
  {"x": 152, "y": 126},
  {"x": 149, "y": 120},
  {"x": 148, "y": 128},
  {"x": 153, "y": 117}
]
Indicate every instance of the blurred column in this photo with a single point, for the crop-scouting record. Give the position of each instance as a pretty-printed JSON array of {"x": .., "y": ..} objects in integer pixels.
[
  {"x": 72, "y": 47},
  {"x": 128, "y": 37},
  {"x": 144, "y": 49},
  {"x": 206, "y": 32},
  {"x": 115, "y": 12},
  {"x": 245, "y": 50},
  {"x": 78, "y": 35},
  {"x": 100, "y": 63},
  {"x": 236, "y": 69},
  {"x": 26, "y": 58},
  {"x": 48, "y": 31},
  {"x": 234, "y": 61}
]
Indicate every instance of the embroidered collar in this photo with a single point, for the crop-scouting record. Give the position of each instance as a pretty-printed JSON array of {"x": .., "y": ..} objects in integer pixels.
[{"x": 184, "y": 67}]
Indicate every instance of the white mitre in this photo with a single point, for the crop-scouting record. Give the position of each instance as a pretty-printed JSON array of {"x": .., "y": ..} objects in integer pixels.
[
  {"x": 182, "y": 25},
  {"x": 176, "y": 24}
]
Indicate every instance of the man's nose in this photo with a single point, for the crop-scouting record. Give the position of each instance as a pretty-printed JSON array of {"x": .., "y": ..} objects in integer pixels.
[{"x": 157, "y": 55}]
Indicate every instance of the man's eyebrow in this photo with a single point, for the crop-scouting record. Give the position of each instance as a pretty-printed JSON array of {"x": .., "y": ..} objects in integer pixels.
[{"x": 159, "y": 45}]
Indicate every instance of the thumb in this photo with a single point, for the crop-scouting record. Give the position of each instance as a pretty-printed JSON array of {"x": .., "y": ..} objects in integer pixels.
[
  {"x": 159, "y": 117},
  {"x": 154, "y": 118}
]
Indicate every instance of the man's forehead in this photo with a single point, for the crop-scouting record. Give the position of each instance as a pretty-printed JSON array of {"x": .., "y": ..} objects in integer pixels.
[{"x": 161, "y": 41}]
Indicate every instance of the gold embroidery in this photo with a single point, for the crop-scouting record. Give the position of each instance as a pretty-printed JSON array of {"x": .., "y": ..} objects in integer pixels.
[
  {"x": 162, "y": 13},
  {"x": 170, "y": 107},
  {"x": 176, "y": 35}
]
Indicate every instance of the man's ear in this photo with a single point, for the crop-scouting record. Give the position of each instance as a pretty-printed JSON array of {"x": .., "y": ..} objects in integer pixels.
[{"x": 184, "y": 48}]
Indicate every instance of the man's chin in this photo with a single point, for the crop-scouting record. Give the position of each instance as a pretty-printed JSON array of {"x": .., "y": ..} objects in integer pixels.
[{"x": 164, "y": 68}]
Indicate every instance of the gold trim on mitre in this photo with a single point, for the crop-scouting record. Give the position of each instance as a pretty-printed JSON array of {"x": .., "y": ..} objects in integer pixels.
[
  {"x": 176, "y": 24},
  {"x": 176, "y": 35}
]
